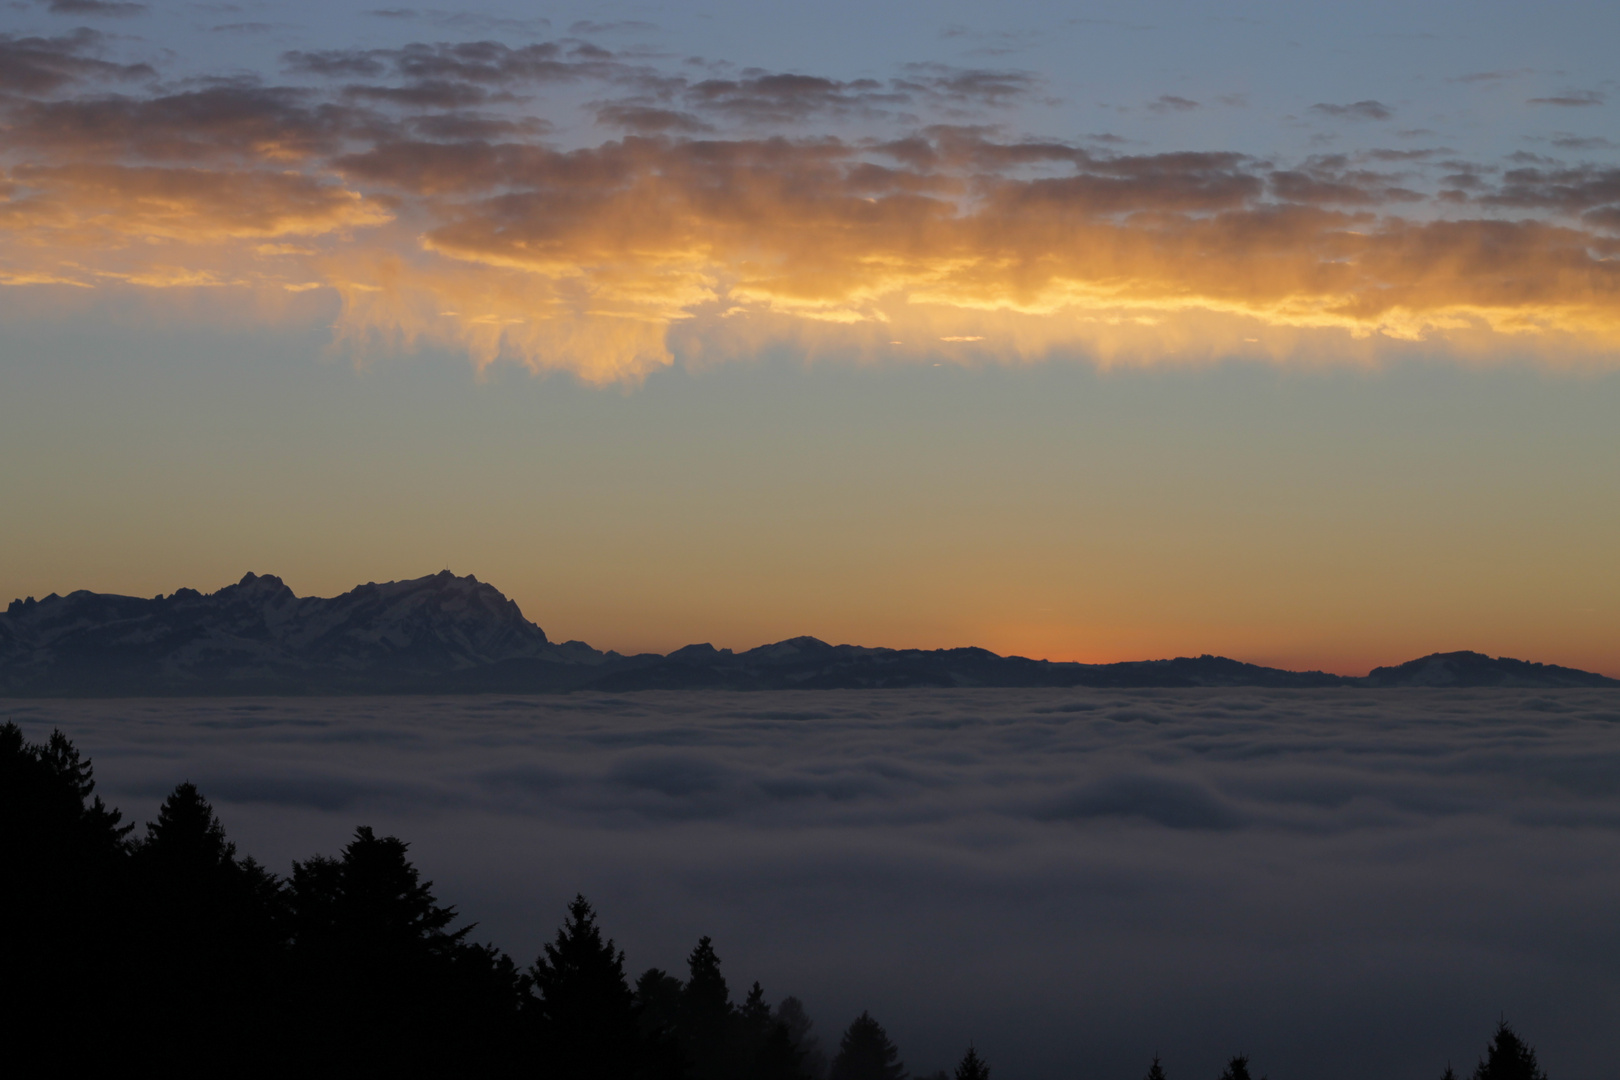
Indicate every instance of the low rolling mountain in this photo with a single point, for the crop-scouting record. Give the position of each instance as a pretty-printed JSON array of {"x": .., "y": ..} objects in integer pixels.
[
  {"x": 448, "y": 634},
  {"x": 1464, "y": 669}
]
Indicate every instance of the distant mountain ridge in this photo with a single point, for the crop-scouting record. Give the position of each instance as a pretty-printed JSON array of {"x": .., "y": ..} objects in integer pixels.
[{"x": 449, "y": 634}]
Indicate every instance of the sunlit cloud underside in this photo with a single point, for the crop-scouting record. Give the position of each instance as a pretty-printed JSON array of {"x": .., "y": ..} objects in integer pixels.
[{"x": 430, "y": 225}]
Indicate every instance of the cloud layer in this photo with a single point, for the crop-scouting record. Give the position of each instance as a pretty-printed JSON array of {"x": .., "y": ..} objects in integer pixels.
[
  {"x": 424, "y": 188},
  {"x": 1342, "y": 883}
]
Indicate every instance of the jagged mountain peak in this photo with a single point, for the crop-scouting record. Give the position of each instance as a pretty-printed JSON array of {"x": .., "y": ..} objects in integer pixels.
[
  {"x": 257, "y": 589},
  {"x": 259, "y": 633}
]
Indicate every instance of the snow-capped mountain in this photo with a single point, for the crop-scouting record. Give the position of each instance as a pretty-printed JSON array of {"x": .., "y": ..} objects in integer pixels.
[{"x": 257, "y": 633}]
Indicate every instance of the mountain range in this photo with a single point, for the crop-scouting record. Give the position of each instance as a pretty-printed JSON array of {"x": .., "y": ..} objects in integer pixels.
[{"x": 449, "y": 634}]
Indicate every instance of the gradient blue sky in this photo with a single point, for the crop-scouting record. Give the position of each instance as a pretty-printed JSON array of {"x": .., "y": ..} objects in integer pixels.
[{"x": 1286, "y": 332}]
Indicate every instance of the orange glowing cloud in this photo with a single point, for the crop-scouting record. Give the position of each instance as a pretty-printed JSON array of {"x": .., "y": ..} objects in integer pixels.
[{"x": 606, "y": 260}]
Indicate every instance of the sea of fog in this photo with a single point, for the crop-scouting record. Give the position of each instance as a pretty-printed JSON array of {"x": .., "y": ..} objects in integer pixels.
[{"x": 1343, "y": 883}]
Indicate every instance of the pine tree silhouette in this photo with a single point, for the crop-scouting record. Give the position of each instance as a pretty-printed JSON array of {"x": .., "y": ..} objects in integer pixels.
[
  {"x": 658, "y": 997},
  {"x": 62, "y": 905},
  {"x": 706, "y": 1016},
  {"x": 706, "y": 989},
  {"x": 800, "y": 1030},
  {"x": 658, "y": 1001},
  {"x": 206, "y": 940},
  {"x": 1508, "y": 1058},
  {"x": 865, "y": 1053},
  {"x": 1237, "y": 1068},
  {"x": 779, "y": 1058},
  {"x": 972, "y": 1066},
  {"x": 386, "y": 985},
  {"x": 587, "y": 1016},
  {"x": 1156, "y": 1071},
  {"x": 750, "y": 1030},
  {"x": 755, "y": 1012}
]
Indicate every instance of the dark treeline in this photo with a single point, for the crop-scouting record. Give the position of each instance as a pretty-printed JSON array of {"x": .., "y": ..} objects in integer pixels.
[{"x": 170, "y": 951}]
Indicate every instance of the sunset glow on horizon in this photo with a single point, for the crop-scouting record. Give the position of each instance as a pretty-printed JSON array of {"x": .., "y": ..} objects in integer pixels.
[{"x": 1110, "y": 337}]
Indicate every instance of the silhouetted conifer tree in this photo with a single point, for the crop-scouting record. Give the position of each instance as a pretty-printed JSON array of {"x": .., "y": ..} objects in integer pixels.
[
  {"x": 202, "y": 958},
  {"x": 778, "y": 1058},
  {"x": 765, "y": 1042},
  {"x": 585, "y": 1011},
  {"x": 972, "y": 1066},
  {"x": 1156, "y": 1071},
  {"x": 658, "y": 1001},
  {"x": 658, "y": 997},
  {"x": 1237, "y": 1068},
  {"x": 1449, "y": 1074},
  {"x": 706, "y": 1016},
  {"x": 387, "y": 986},
  {"x": 705, "y": 990},
  {"x": 755, "y": 1012},
  {"x": 1508, "y": 1058},
  {"x": 813, "y": 1061},
  {"x": 865, "y": 1053},
  {"x": 61, "y": 902}
]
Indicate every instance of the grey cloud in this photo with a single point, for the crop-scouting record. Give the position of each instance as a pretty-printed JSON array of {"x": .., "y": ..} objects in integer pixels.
[
  {"x": 485, "y": 24},
  {"x": 1167, "y": 103},
  {"x": 1175, "y": 181},
  {"x": 457, "y": 126},
  {"x": 1331, "y": 180},
  {"x": 758, "y": 96},
  {"x": 767, "y": 97},
  {"x": 424, "y": 94},
  {"x": 336, "y": 63},
  {"x": 1493, "y": 77},
  {"x": 1572, "y": 99},
  {"x": 1567, "y": 191},
  {"x": 194, "y": 125},
  {"x": 983, "y": 87},
  {"x": 1565, "y": 141},
  {"x": 1359, "y": 110},
  {"x": 39, "y": 65},
  {"x": 116, "y": 9},
  {"x": 1605, "y": 218},
  {"x": 588, "y": 26},
  {"x": 1399, "y": 155},
  {"x": 487, "y": 63},
  {"x": 647, "y": 119}
]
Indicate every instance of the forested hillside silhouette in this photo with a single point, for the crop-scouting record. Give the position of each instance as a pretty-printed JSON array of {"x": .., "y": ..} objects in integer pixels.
[{"x": 167, "y": 950}]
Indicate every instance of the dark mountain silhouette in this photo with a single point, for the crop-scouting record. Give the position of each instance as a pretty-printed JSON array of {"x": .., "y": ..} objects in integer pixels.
[
  {"x": 448, "y": 634},
  {"x": 1477, "y": 669}
]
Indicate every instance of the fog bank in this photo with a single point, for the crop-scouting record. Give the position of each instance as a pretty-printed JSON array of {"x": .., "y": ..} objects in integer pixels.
[{"x": 1341, "y": 883}]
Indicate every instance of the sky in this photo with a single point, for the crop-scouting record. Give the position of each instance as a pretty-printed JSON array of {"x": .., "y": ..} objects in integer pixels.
[
  {"x": 1280, "y": 331},
  {"x": 1340, "y": 883}
]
